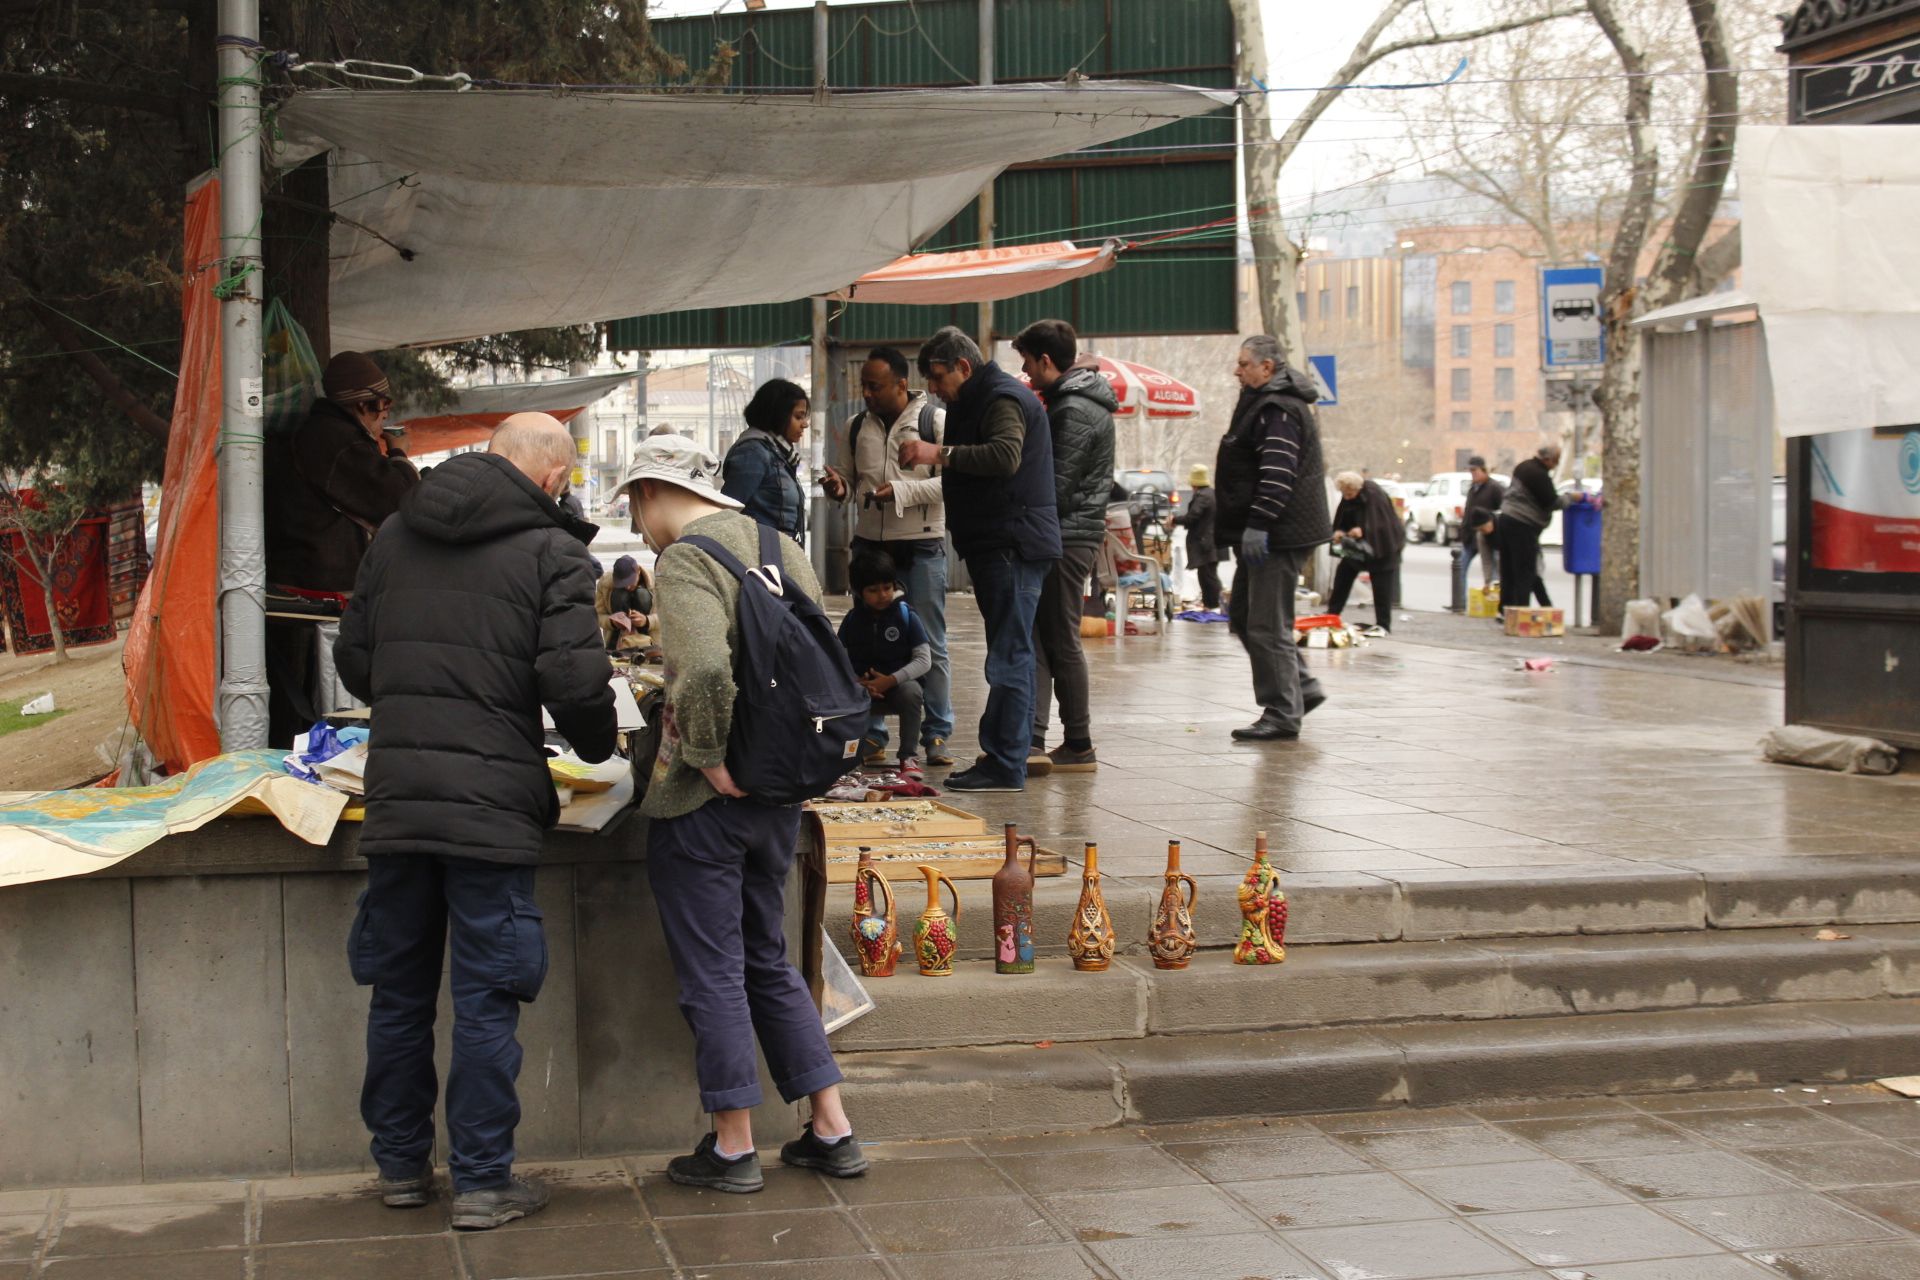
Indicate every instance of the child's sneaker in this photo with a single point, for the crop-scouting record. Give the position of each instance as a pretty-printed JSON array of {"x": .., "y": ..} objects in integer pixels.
[{"x": 910, "y": 768}]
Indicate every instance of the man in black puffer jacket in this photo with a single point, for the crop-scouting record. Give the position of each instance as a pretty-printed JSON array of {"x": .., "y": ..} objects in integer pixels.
[
  {"x": 474, "y": 609},
  {"x": 1080, "y": 404}
]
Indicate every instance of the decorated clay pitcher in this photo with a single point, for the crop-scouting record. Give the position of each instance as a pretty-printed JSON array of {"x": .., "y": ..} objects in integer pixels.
[
  {"x": 1091, "y": 940},
  {"x": 935, "y": 937},
  {"x": 1263, "y": 912},
  {"x": 1170, "y": 938},
  {"x": 876, "y": 925},
  {"x": 1013, "y": 906}
]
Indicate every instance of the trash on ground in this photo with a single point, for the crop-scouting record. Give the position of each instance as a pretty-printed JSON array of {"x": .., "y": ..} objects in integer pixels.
[
  {"x": 1534, "y": 622},
  {"x": 1829, "y": 935},
  {"x": 1905, "y": 1086},
  {"x": 1642, "y": 620},
  {"x": 1536, "y": 664},
  {"x": 1818, "y": 749},
  {"x": 1689, "y": 628},
  {"x": 40, "y": 706},
  {"x": 1640, "y": 644}
]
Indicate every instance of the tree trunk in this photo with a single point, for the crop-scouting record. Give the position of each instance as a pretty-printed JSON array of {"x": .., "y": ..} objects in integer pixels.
[
  {"x": 1276, "y": 258},
  {"x": 43, "y": 577}
]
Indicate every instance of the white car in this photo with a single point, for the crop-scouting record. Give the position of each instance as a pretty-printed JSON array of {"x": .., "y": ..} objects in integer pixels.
[{"x": 1437, "y": 508}]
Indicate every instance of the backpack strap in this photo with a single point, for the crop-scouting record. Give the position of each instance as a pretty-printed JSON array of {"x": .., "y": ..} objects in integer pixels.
[
  {"x": 770, "y": 573},
  {"x": 927, "y": 432}
]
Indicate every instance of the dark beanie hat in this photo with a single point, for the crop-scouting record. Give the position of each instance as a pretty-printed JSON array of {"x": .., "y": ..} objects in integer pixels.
[
  {"x": 625, "y": 568},
  {"x": 351, "y": 376}
]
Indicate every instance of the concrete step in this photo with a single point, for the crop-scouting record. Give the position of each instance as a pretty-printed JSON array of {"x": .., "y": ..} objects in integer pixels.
[
  {"x": 1158, "y": 1079},
  {"x": 1321, "y": 986},
  {"x": 1680, "y": 893}
]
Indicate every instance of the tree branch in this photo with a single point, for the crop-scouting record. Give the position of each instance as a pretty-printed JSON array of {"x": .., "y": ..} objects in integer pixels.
[
  {"x": 18, "y": 87},
  {"x": 75, "y": 345},
  {"x": 1716, "y": 262},
  {"x": 1675, "y": 266}
]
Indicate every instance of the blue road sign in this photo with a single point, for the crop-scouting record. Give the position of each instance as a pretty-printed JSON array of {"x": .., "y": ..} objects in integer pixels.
[
  {"x": 1323, "y": 369},
  {"x": 1571, "y": 335}
]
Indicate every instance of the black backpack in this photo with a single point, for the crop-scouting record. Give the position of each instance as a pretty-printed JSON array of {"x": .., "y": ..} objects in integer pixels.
[
  {"x": 799, "y": 714},
  {"x": 925, "y": 424}
]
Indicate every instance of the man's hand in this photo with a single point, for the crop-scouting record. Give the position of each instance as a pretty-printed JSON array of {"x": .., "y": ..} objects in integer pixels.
[
  {"x": 835, "y": 485},
  {"x": 1356, "y": 534},
  {"x": 878, "y": 685},
  {"x": 720, "y": 780},
  {"x": 919, "y": 453},
  {"x": 1253, "y": 547},
  {"x": 885, "y": 492},
  {"x": 1339, "y": 534}
]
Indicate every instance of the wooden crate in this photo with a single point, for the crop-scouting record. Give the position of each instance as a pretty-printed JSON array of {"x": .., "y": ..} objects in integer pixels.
[
  {"x": 940, "y": 835},
  {"x": 957, "y": 859},
  {"x": 837, "y": 816}
]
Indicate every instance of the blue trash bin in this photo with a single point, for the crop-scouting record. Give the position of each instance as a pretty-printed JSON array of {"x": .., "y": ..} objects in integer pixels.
[{"x": 1580, "y": 538}]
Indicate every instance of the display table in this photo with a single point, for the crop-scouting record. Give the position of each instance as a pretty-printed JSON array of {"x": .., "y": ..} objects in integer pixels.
[{"x": 187, "y": 1012}]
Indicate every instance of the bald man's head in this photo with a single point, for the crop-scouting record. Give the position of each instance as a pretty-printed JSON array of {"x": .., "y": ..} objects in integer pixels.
[{"x": 539, "y": 445}]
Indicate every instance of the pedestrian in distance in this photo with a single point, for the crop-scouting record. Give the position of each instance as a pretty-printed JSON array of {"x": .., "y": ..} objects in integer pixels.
[
  {"x": 997, "y": 479},
  {"x": 888, "y": 648},
  {"x": 717, "y": 857},
  {"x": 1203, "y": 552},
  {"x": 762, "y": 469},
  {"x": 1484, "y": 494},
  {"x": 473, "y": 611},
  {"x": 900, "y": 510},
  {"x": 1366, "y": 514},
  {"x": 1080, "y": 405},
  {"x": 1272, "y": 506},
  {"x": 1524, "y": 515}
]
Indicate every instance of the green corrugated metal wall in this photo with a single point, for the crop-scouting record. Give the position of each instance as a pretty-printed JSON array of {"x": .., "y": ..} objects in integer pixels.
[{"x": 1139, "y": 189}]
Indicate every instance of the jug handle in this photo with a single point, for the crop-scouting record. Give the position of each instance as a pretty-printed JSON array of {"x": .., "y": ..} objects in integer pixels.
[
  {"x": 941, "y": 876},
  {"x": 1033, "y": 854},
  {"x": 1193, "y": 891},
  {"x": 886, "y": 890}
]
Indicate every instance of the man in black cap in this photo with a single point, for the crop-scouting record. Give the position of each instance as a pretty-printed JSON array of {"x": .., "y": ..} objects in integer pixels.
[
  {"x": 1483, "y": 496},
  {"x": 330, "y": 482}
]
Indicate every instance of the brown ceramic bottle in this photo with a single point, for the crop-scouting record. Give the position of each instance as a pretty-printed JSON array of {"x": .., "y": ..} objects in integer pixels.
[
  {"x": 876, "y": 924},
  {"x": 935, "y": 933},
  {"x": 1013, "y": 906},
  {"x": 1170, "y": 938},
  {"x": 1091, "y": 940},
  {"x": 1263, "y": 912}
]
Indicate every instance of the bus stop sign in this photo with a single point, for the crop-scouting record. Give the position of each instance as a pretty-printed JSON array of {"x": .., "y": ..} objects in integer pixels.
[{"x": 1570, "y": 329}]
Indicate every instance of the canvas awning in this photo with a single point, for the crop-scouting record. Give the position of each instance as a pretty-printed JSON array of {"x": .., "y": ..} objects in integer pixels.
[
  {"x": 461, "y": 214},
  {"x": 980, "y": 275},
  {"x": 477, "y": 410}
]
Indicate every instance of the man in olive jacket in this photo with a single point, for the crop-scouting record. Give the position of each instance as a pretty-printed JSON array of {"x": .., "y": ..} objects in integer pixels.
[
  {"x": 1080, "y": 405},
  {"x": 474, "y": 609}
]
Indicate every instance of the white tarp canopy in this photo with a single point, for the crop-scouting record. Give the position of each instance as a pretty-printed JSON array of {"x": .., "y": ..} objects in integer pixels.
[
  {"x": 1831, "y": 242},
  {"x": 463, "y": 214}
]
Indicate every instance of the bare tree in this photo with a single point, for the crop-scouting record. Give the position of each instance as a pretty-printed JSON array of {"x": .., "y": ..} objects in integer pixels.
[{"x": 45, "y": 520}]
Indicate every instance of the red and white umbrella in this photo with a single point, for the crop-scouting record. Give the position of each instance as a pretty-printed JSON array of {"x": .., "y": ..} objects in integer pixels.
[{"x": 1139, "y": 386}]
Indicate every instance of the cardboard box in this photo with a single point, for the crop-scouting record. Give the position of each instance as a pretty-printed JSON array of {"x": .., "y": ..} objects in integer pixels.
[
  {"x": 1483, "y": 602},
  {"x": 1534, "y": 622}
]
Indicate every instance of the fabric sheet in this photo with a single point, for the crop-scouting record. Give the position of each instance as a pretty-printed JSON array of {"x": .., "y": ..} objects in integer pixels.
[{"x": 80, "y": 594}]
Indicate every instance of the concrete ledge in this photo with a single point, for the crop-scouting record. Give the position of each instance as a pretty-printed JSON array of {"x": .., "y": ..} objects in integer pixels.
[
  {"x": 1535, "y": 901},
  {"x": 951, "y": 1092},
  {"x": 1201, "y": 1077},
  {"x": 1321, "y": 986},
  {"x": 1749, "y": 892},
  {"x": 977, "y": 1006}
]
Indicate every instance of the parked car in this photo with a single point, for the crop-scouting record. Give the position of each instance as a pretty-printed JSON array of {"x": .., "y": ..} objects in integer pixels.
[
  {"x": 1398, "y": 490},
  {"x": 1438, "y": 508},
  {"x": 1151, "y": 495}
]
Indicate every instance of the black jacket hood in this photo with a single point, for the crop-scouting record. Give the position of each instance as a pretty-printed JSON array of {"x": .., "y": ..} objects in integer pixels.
[
  {"x": 1286, "y": 381},
  {"x": 478, "y": 497}
]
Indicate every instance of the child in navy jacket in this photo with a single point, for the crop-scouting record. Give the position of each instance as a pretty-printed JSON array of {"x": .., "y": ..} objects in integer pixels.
[{"x": 888, "y": 647}]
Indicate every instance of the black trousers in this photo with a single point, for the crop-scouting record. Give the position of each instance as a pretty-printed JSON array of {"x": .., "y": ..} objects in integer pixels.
[
  {"x": 1209, "y": 571},
  {"x": 1384, "y": 580},
  {"x": 1520, "y": 564}
]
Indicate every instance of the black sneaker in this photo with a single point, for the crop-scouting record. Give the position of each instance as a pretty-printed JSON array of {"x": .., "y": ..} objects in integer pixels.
[
  {"x": 978, "y": 779},
  {"x": 489, "y": 1207},
  {"x": 412, "y": 1191},
  {"x": 706, "y": 1167},
  {"x": 841, "y": 1158}
]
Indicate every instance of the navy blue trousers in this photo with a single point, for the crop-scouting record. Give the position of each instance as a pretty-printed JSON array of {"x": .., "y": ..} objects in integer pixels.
[
  {"x": 412, "y": 907},
  {"x": 719, "y": 877}
]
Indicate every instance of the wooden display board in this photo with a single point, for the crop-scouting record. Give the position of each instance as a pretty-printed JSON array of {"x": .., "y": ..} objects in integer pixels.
[{"x": 899, "y": 835}]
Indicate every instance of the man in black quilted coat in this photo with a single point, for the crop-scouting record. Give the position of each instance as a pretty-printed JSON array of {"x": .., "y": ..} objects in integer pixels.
[{"x": 473, "y": 610}]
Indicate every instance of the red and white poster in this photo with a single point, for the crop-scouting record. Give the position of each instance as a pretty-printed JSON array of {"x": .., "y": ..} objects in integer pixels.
[{"x": 1866, "y": 501}]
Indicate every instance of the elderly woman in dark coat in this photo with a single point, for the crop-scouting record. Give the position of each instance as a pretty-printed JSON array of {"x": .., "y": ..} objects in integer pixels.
[
  {"x": 762, "y": 469},
  {"x": 1366, "y": 513}
]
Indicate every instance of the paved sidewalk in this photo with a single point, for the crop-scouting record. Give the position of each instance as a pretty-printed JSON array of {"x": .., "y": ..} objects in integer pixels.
[{"x": 1720, "y": 1186}]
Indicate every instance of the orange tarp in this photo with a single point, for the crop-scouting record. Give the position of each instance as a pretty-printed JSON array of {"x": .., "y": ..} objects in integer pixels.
[
  {"x": 170, "y": 654},
  {"x": 980, "y": 275}
]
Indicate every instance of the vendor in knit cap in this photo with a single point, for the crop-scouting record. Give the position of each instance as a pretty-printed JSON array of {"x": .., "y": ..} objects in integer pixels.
[{"x": 330, "y": 482}]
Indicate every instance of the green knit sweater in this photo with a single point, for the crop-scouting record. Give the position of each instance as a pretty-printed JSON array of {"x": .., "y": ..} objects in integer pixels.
[{"x": 698, "y": 603}]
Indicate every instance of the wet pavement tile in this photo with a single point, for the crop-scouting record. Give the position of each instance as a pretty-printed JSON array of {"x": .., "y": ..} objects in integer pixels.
[
  {"x": 1765, "y": 1126},
  {"x": 1847, "y": 1262},
  {"x": 944, "y": 1226},
  {"x": 587, "y": 1194},
  {"x": 344, "y": 1217},
  {"x": 1236, "y": 1129},
  {"x": 1596, "y": 1137},
  {"x": 20, "y": 1234},
  {"x": 1668, "y": 1104},
  {"x": 1058, "y": 1262},
  {"x": 1895, "y": 1118},
  {"x": 1524, "y": 1185},
  {"x": 1285, "y": 1155},
  {"x": 1429, "y": 1148},
  {"x": 1695, "y": 1174},
  {"x": 1843, "y": 1164},
  {"x": 430, "y": 1258},
  {"x": 1219, "y": 1256},
  {"x": 169, "y": 1193},
  {"x": 1094, "y": 1140},
  {"x": 150, "y": 1229},
  {"x": 831, "y": 1269},
  {"x": 1403, "y": 1251},
  {"x": 1338, "y": 1200},
  {"x": 1394, "y": 1118},
  {"x": 1724, "y": 1267},
  {"x": 1610, "y": 1233},
  {"x": 1188, "y": 1212},
  {"x": 1898, "y": 1204},
  {"x": 532, "y": 1252},
  {"x": 900, "y": 1182},
  {"x": 1782, "y": 1221},
  {"x": 1552, "y": 1109},
  {"x": 1064, "y": 1171},
  {"x": 785, "y": 1189},
  {"x": 221, "y": 1264},
  {"x": 720, "y": 1239}
]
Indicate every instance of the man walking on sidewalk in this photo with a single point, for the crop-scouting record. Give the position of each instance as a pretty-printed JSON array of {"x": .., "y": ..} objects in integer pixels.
[
  {"x": 473, "y": 610},
  {"x": 1270, "y": 482},
  {"x": 1080, "y": 406}
]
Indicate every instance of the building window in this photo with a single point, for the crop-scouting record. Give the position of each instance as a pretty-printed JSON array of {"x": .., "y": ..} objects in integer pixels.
[
  {"x": 1503, "y": 339},
  {"x": 1353, "y": 302},
  {"x": 1463, "y": 384},
  {"x": 1300, "y": 304},
  {"x": 1462, "y": 341},
  {"x": 1503, "y": 420},
  {"x": 1461, "y": 421},
  {"x": 1503, "y": 383},
  {"x": 1460, "y": 458},
  {"x": 1463, "y": 297},
  {"x": 1503, "y": 297},
  {"x": 1326, "y": 304}
]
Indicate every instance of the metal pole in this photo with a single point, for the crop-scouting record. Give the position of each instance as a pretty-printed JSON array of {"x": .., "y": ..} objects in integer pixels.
[
  {"x": 821, "y": 355},
  {"x": 1457, "y": 574},
  {"x": 241, "y": 701},
  {"x": 986, "y": 193}
]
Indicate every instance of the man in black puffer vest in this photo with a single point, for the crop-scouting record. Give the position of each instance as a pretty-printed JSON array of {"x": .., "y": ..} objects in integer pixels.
[
  {"x": 1270, "y": 482},
  {"x": 1080, "y": 404},
  {"x": 473, "y": 610},
  {"x": 996, "y": 464}
]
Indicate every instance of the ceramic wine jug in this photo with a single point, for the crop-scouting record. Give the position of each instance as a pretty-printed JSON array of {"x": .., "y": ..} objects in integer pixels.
[
  {"x": 1013, "y": 906},
  {"x": 1170, "y": 938},
  {"x": 876, "y": 923},
  {"x": 1263, "y": 912},
  {"x": 935, "y": 935},
  {"x": 1091, "y": 940}
]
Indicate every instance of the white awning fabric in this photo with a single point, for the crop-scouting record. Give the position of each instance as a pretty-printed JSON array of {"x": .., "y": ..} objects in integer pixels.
[
  {"x": 461, "y": 214},
  {"x": 1833, "y": 263}
]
